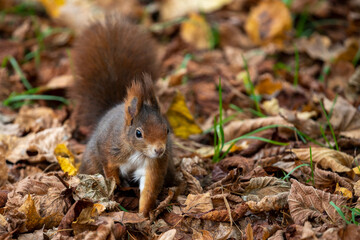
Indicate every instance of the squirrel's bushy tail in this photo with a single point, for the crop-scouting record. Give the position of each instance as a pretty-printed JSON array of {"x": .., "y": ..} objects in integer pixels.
[{"x": 107, "y": 56}]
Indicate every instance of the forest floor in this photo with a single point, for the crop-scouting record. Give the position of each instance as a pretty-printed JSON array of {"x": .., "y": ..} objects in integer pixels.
[{"x": 263, "y": 98}]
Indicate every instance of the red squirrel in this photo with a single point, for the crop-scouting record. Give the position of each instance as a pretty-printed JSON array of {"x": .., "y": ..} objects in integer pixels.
[{"x": 115, "y": 65}]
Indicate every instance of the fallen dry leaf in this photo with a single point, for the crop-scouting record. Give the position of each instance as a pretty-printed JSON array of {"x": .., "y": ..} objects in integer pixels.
[
  {"x": 94, "y": 187},
  {"x": 309, "y": 204},
  {"x": 66, "y": 159},
  {"x": 267, "y": 85},
  {"x": 238, "y": 128},
  {"x": 36, "y": 119},
  {"x": 345, "y": 118},
  {"x": 269, "y": 21},
  {"x": 199, "y": 203},
  {"x": 170, "y": 9},
  {"x": 180, "y": 118},
  {"x": 261, "y": 187},
  {"x": 202, "y": 235},
  {"x": 326, "y": 158},
  {"x": 343, "y": 191},
  {"x": 36, "y": 147},
  {"x": 197, "y": 32}
]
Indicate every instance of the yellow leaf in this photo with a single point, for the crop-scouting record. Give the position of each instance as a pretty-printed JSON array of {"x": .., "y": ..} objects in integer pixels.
[
  {"x": 53, "y": 6},
  {"x": 197, "y": 32},
  {"x": 180, "y": 118},
  {"x": 267, "y": 86},
  {"x": 269, "y": 22},
  {"x": 356, "y": 170},
  {"x": 343, "y": 191},
  {"x": 66, "y": 159},
  {"x": 34, "y": 220}
]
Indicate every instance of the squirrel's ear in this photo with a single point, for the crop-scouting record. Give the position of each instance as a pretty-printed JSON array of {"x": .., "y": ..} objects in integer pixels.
[
  {"x": 149, "y": 89},
  {"x": 133, "y": 102}
]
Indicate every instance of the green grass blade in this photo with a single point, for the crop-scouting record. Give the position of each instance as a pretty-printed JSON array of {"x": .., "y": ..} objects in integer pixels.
[
  {"x": 34, "y": 97},
  {"x": 18, "y": 70},
  {"x": 288, "y": 175},
  {"x": 340, "y": 212}
]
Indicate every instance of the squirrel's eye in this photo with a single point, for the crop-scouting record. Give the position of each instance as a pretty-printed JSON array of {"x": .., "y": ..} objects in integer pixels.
[{"x": 138, "y": 133}]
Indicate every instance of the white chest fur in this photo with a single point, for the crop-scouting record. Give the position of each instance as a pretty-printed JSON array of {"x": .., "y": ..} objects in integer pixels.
[{"x": 135, "y": 168}]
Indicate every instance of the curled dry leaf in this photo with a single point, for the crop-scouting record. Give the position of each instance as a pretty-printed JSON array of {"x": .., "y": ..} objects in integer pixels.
[
  {"x": 238, "y": 128},
  {"x": 303, "y": 124},
  {"x": 170, "y": 9},
  {"x": 326, "y": 158},
  {"x": 200, "y": 203},
  {"x": 201, "y": 235},
  {"x": 66, "y": 159},
  {"x": 168, "y": 235},
  {"x": 47, "y": 199},
  {"x": 309, "y": 204},
  {"x": 261, "y": 187},
  {"x": 269, "y": 203},
  {"x": 71, "y": 216},
  {"x": 194, "y": 166},
  {"x": 267, "y": 85},
  {"x": 325, "y": 179},
  {"x": 104, "y": 228},
  {"x": 3, "y": 169},
  {"x": 223, "y": 215},
  {"x": 180, "y": 118},
  {"x": 35, "y": 147},
  {"x": 193, "y": 185},
  {"x": 269, "y": 22},
  {"x": 196, "y": 31},
  {"x": 94, "y": 187},
  {"x": 345, "y": 117},
  {"x": 35, "y": 119},
  {"x": 34, "y": 220}
]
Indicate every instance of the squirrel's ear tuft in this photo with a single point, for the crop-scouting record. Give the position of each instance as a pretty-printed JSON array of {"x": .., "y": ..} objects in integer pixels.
[
  {"x": 149, "y": 90},
  {"x": 133, "y": 102}
]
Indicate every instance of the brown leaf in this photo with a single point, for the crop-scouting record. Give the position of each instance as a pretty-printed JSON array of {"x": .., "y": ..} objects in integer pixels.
[
  {"x": 170, "y": 9},
  {"x": 94, "y": 187},
  {"x": 35, "y": 119},
  {"x": 35, "y": 147},
  {"x": 326, "y": 158},
  {"x": 199, "y": 203},
  {"x": 269, "y": 22},
  {"x": 105, "y": 229},
  {"x": 3, "y": 169},
  {"x": 238, "y": 128},
  {"x": 345, "y": 118},
  {"x": 325, "y": 179},
  {"x": 126, "y": 217},
  {"x": 309, "y": 204},
  {"x": 46, "y": 192},
  {"x": 168, "y": 235},
  {"x": 269, "y": 203},
  {"x": 223, "y": 215},
  {"x": 261, "y": 187},
  {"x": 38, "y": 235},
  {"x": 201, "y": 235},
  {"x": 193, "y": 185},
  {"x": 196, "y": 31}
]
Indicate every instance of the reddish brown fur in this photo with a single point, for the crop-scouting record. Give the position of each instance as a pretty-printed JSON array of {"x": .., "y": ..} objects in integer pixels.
[
  {"x": 115, "y": 63},
  {"x": 108, "y": 57}
]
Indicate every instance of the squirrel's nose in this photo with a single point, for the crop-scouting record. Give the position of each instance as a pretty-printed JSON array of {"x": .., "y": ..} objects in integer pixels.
[{"x": 159, "y": 151}]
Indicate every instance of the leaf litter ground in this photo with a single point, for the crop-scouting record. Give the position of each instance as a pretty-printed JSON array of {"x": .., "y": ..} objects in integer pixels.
[{"x": 286, "y": 131}]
